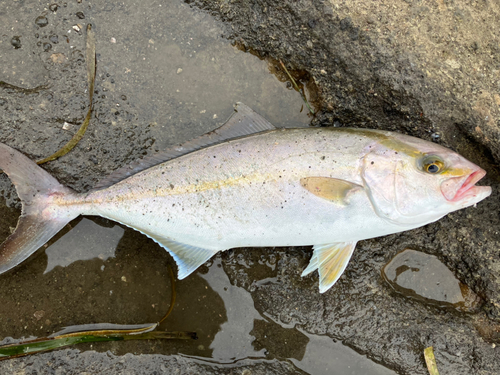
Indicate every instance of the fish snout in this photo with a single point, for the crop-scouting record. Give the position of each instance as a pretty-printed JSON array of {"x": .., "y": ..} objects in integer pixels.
[{"x": 463, "y": 189}]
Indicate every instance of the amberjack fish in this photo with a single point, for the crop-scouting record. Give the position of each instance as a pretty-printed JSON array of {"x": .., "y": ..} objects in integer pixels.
[{"x": 249, "y": 184}]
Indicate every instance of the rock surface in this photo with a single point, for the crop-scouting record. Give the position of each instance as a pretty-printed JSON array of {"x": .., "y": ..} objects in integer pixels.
[
  {"x": 425, "y": 68},
  {"x": 428, "y": 69}
]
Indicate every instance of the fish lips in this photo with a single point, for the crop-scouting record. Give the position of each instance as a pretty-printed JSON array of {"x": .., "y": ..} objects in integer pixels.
[{"x": 464, "y": 190}]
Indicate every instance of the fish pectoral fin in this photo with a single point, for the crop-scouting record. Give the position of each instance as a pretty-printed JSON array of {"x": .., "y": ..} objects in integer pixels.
[
  {"x": 330, "y": 260},
  {"x": 188, "y": 258},
  {"x": 332, "y": 189}
]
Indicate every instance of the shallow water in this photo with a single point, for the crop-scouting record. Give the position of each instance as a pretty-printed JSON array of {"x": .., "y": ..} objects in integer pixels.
[
  {"x": 167, "y": 71},
  {"x": 229, "y": 326}
]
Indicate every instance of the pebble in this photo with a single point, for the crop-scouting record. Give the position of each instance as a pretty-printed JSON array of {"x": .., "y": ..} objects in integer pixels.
[
  {"x": 39, "y": 314},
  {"x": 435, "y": 136},
  {"x": 41, "y": 21},
  {"x": 80, "y": 15},
  {"x": 58, "y": 58},
  {"x": 179, "y": 71},
  {"x": 53, "y": 7},
  {"x": 16, "y": 42}
]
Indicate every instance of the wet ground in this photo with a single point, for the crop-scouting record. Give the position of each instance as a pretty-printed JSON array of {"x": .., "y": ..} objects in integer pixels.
[{"x": 166, "y": 74}]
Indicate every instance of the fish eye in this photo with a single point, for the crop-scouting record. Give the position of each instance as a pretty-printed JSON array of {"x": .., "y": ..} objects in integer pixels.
[
  {"x": 432, "y": 168},
  {"x": 432, "y": 164}
]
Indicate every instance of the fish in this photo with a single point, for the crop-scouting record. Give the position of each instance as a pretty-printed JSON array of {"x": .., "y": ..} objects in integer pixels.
[{"x": 250, "y": 184}]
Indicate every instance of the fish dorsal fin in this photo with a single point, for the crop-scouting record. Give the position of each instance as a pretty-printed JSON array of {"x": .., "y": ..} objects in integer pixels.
[
  {"x": 330, "y": 260},
  {"x": 332, "y": 189},
  {"x": 244, "y": 121}
]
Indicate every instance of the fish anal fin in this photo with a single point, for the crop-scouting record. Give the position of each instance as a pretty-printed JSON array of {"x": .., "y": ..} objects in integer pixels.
[
  {"x": 330, "y": 260},
  {"x": 244, "y": 121},
  {"x": 332, "y": 189},
  {"x": 188, "y": 258}
]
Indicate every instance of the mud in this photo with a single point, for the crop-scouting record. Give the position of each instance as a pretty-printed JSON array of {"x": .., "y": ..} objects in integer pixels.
[{"x": 168, "y": 74}]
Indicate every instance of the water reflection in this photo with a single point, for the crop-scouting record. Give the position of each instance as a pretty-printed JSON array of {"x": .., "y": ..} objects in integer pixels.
[
  {"x": 234, "y": 340},
  {"x": 87, "y": 240},
  {"x": 424, "y": 277},
  {"x": 229, "y": 326},
  {"x": 324, "y": 356},
  {"x": 248, "y": 334}
]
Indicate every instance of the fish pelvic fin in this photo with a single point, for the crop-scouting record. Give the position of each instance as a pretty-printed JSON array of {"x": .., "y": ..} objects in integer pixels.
[
  {"x": 40, "y": 218},
  {"x": 330, "y": 260}
]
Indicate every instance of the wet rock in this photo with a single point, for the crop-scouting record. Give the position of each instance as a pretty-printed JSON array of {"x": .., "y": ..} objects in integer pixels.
[
  {"x": 91, "y": 362},
  {"x": 443, "y": 71},
  {"x": 41, "y": 21},
  {"x": 418, "y": 275},
  {"x": 282, "y": 342},
  {"x": 413, "y": 69},
  {"x": 16, "y": 42},
  {"x": 489, "y": 330},
  {"x": 54, "y": 39}
]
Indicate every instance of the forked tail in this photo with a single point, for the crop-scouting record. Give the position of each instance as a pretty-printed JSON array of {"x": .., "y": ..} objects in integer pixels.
[{"x": 40, "y": 219}]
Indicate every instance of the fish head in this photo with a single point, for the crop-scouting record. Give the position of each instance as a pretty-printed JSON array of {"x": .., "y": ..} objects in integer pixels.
[{"x": 412, "y": 182}]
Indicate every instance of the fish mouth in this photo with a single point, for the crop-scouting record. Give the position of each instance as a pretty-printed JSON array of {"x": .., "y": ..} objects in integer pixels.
[{"x": 460, "y": 189}]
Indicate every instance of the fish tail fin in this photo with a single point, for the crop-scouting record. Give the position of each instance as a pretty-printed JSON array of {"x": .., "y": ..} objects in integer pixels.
[{"x": 41, "y": 218}]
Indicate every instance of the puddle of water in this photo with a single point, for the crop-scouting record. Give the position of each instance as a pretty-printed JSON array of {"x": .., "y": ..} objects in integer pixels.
[
  {"x": 423, "y": 276},
  {"x": 233, "y": 341},
  {"x": 88, "y": 240},
  {"x": 229, "y": 327}
]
